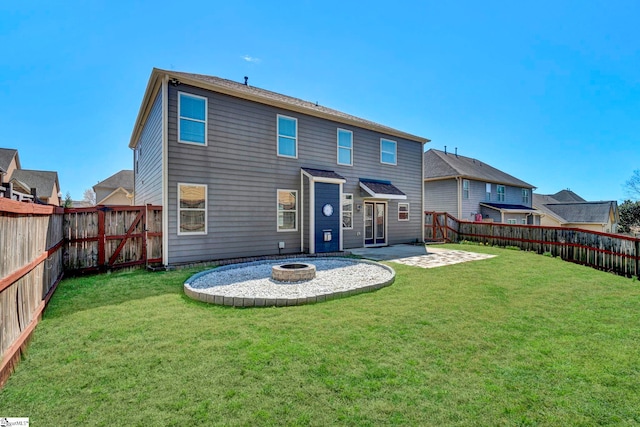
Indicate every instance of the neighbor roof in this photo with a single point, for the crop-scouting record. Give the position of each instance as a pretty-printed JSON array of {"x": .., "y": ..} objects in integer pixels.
[
  {"x": 255, "y": 94},
  {"x": 43, "y": 181},
  {"x": 583, "y": 212},
  {"x": 123, "y": 179},
  {"x": 441, "y": 165},
  {"x": 6, "y": 156},
  {"x": 567, "y": 196}
]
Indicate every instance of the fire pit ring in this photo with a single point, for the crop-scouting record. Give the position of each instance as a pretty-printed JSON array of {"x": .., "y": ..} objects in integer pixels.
[{"x": 293, "y": 272}]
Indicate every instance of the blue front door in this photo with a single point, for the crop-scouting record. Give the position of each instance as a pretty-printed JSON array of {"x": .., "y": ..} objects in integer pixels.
[{"x": 327, "y": 217}]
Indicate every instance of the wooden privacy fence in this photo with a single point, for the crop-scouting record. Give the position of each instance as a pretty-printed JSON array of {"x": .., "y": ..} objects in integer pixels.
[
  {"x": 610, "y": 252},
  {"x": 31, "y": 243},
  {"x": 105, "y": 237}
]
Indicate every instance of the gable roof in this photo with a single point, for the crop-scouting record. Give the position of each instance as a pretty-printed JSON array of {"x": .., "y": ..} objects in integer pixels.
[
  {"x": 567, "y": 196},
  {"x": 251, "y": 93},
  {"x": 576, "y": 211},
  {"x": 123, "y": 179},
  {"x": 583, "y": 212},
  {"x": 6, "y": 156},
  {"x": 43, "y": 181},
  {"x": 440, "y": 165}
]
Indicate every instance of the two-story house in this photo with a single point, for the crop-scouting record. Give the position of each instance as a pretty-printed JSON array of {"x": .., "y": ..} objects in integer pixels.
[
  {"x": 242, "y": 171},
  {"x": 471, "y": 190},
  {"x": 115, "y": 190}
]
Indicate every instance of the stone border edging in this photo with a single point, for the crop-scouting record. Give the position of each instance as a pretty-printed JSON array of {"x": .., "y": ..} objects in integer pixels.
[{"x": 281, "y": 302}]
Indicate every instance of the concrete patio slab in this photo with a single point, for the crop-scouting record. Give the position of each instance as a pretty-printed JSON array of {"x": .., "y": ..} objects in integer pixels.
[{"x": 419, "y": 255}]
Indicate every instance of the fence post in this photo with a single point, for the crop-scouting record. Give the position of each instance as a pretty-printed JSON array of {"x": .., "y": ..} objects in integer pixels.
[
  {"x": 638, "y": 258},
  {"x": 101, "y": 239}
]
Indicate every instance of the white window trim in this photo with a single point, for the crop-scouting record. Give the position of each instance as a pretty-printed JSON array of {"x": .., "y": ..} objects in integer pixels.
[
  {"x": 467, "y": 189},
  {"x": 395, "y": 152},
  {"x": 278, "y": 136},
  {"x": 206, "y": 208},
  {"x": 512, "y": 221},
  {"x": 338, "y": 147},
  {"x": 525, "y": 200},
  {"x": 206, "y": 120},
  {"x": 503, "y": 193},
  {"x": 487, "y": 190},
  {"x": 352, "y": 216},
  {"x": 287, "y": 210},
  {"x": 408, "y": 212}
]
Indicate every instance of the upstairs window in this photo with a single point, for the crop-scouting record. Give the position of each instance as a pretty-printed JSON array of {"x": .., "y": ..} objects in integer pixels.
[
  {"x": 388, "y": 153},
  {"x": 500, "y": 191},
  {"x": 192, "y": 209},
  {"x": 192, "y": 119},
  {"x": 525, "y": 196},
  {"x": 345, "y": 147},
  {"x": 347, "y": 211},
  {"x": 465, "y": 188},
  {"x": 287, "y": 136},
  {"x": 488, "y": 191},
  {"x": 287, "y": 210}
]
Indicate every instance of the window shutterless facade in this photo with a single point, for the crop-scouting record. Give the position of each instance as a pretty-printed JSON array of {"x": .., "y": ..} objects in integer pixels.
[
  {"x": 488, "y": 191},
  {"x": 347, "y": 211},
  {"x": 287, "y": 136},
  {"x": 192, "y": 209},
  {"x": 388, "y": 152},
  {"x": 287, "y": 210},
  {"x": 465, "y": 188},
  {"x": 500, "y": 191},
  {"x": 511, "y": 221},
  {"x": 345, "y": 147},
  {"x": 403, "y": 211},
  {"x": 525, "y": 196},
  {"x": 192, "y": 119}
]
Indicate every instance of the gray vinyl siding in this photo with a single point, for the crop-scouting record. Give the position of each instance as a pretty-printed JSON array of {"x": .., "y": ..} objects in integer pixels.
[
  {"x": 148, "y": 174},
  {"x": 102, "y": 193},
  {"x": 441, "y": 196},
  {"x": 243, "y": 174},
  {"x": 477, "y": 195}
]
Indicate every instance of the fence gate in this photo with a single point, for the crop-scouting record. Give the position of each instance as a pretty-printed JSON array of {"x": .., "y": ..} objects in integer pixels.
[{"x": 105, "y": 237}]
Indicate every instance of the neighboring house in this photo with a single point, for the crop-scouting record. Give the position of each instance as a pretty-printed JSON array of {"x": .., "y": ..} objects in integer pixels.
[
  {"x": 242, "y": 171},
  {"x": 115, "y": 190},
  {"x": 45, "y": 184},
  {"x": 567, "y": 209},
  {"x": 472, "y": 190},
  {"x": 9, "y": 161}
]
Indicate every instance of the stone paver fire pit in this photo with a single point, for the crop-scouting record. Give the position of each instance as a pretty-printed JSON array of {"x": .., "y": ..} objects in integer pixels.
[{"x": 293, "y": 272}]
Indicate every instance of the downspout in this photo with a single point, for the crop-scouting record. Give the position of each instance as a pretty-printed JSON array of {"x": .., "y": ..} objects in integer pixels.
[
  {"x": 165, "y": 171},
  {"x": 422, "y": 198},
  {"x": 301, "y": 210},
  {"x": 459, "y": 185}
]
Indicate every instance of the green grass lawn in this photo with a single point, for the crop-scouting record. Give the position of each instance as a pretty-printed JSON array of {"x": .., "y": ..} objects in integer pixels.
[{"x": 519, "y": 339}]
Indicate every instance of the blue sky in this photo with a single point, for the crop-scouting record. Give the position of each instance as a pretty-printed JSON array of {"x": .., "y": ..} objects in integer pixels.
[{"x": 548, "y": 91}]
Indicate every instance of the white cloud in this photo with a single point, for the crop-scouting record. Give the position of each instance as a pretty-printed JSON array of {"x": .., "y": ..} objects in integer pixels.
[{"x": 251, "y": 59}]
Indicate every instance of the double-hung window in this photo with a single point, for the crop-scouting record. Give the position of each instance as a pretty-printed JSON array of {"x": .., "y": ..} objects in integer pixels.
[
  {"x": 347, "y": 211},
  {"x": 287, "y": 210},
  {"x": 525, "y": 196},
  {"x": 388, "y": 152},
  {"x": 488, "y": 191},
  {"x": 192, "y": 209},
  {"x": 345, "y": 147},
  {"x": 403, "y": 211},
  {"x": 287, "y": 136},
  {"x": 465, "y": 188},
  {"x": 192, "y": 119},
  {"x": 500, "y": 191}
]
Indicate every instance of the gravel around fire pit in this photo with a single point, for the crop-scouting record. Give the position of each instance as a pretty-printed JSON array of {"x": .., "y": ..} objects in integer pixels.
[{"x": 250, "y": 284}]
